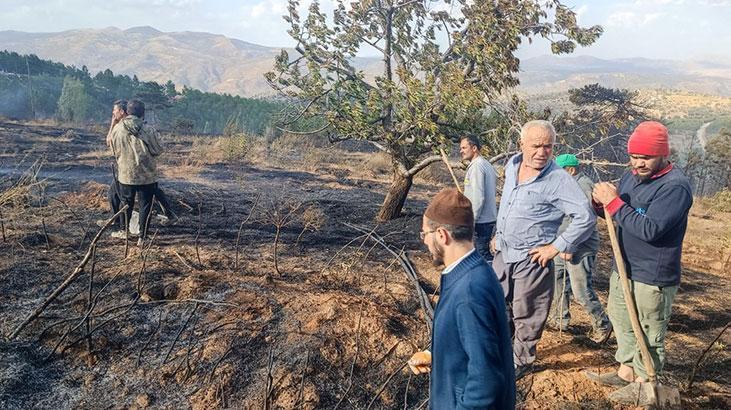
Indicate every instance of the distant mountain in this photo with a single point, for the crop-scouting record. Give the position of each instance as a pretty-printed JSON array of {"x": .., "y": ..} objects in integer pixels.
[
  {"x": 548, "y": 74},
  {"x": 218, "y": 63},
  {"x": 205, "y": 61}
]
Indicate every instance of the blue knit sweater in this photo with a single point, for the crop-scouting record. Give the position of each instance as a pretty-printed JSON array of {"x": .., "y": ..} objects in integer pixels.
[
  {"x": 652, "y": 217},
  {"x": 472, "y": 357}
]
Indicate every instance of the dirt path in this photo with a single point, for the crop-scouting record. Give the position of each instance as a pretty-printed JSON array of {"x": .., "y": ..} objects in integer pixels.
[{"x": 701, "y": 134}]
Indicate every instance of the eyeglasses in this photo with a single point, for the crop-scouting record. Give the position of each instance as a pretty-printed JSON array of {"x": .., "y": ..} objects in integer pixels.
[{"x": 423, "y": 234}]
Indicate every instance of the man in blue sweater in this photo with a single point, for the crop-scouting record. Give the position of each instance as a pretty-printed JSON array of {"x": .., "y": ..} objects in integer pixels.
[
  {"x": 471, "y": 361},
  {"x": 650, "y": 209}
]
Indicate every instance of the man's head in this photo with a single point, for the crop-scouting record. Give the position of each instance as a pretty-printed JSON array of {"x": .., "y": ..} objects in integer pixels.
[
  {"x": 119, "y": 109},
  {"x": 648, "y": 149},
  {"x": 447, "y": 222},
  {"x": 469, "y": 148},
  {"x": 136, "y": 108},
  {"x": 537, "y": 138},
  {"x": 569, "y": 162}
]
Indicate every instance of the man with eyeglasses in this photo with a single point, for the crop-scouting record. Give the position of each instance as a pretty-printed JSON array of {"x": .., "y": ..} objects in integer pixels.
[{"x": 471, "y": 361}]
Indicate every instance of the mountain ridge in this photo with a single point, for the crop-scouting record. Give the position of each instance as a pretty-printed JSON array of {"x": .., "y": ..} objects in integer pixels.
[{"x": 217, "y": 63}]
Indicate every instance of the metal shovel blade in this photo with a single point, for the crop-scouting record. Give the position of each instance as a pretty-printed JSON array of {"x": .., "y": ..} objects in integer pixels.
[{"x": 647, "y": 394}]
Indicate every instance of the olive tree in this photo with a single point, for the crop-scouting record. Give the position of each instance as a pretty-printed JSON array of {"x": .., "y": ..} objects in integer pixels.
[{"x": 442, "y": 65}]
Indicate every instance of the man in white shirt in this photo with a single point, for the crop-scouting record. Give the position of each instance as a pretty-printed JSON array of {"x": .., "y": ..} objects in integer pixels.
[{"x": 479, "y": 188}]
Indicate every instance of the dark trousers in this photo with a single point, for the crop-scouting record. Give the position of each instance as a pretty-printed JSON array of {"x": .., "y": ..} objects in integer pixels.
[
  {"x": 115, "y": 202},
  {"x": 128, "y": 194},
  {"x": 528, "y": 289},
  {"x": 163, "y": 201},
  {"x": 481, "y": 239}
]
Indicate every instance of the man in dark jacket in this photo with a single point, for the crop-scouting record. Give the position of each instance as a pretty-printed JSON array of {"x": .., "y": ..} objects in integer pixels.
[
  {"x": 650, "y": 209},
  {"x": 471, "y": 361}
]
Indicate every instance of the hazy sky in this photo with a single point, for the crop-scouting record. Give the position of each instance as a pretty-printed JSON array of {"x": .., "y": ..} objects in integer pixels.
[{"x": 671, "y": 29}]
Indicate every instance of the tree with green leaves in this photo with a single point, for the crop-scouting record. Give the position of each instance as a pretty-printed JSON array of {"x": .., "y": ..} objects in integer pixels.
[
  {"x": 75, "y": 103},
  {"x": 443, "y": 64}
]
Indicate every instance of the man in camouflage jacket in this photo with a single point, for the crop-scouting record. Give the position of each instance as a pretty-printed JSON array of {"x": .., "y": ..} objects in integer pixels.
[{"x": 134, "y": 143}]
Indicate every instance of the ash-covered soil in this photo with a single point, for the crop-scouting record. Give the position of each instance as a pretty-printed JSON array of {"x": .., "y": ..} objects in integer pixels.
[{"x": 201, "y": 317}]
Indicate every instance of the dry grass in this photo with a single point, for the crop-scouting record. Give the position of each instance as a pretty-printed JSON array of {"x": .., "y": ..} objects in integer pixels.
[
  {"x": 707, "y": 245},
  {"x": 438, "y": 174},
  {"x": 90, "y": 195},
  {"x": 18, "y": 193},
  {"x": 96, "y": 155},
  {"x": 309, "y": 153},
  {"x": 376, "y": 165}
]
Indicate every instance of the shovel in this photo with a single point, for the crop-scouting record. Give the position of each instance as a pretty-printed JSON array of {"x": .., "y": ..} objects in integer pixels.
[
  {"x": 652, "y": 391},
  {"x": 451, "y": 171}
]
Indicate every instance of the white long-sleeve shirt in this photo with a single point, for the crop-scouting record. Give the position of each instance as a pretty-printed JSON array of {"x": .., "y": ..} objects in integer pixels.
[{"x": 479, "y": 188}]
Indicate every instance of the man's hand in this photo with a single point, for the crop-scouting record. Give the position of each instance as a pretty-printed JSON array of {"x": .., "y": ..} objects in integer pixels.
[
  {"x": 604, "y": 193},
  {"x": 566, "y": 256},
  {"x": 492, "y": 245},
  {"x": 543, "y": 254},
  {"x": 420, "y": 362}
]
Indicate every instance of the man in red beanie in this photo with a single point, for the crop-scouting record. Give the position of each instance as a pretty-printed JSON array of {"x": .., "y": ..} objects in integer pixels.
[
  {"x": 650, "y": 209},
  {"x": 471, "y": 361}
]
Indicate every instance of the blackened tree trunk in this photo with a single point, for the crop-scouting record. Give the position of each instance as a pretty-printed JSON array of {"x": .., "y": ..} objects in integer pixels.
[{"x": 396, "y": 196}]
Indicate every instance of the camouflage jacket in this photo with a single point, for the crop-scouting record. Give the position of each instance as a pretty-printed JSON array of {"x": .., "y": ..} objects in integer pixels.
[{"x": 135, "y": 163}]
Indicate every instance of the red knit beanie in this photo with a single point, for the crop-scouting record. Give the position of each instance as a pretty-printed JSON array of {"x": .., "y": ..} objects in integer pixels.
[
  {"x": 649, "y": 138},
  {"x": 450, "y": 207}
]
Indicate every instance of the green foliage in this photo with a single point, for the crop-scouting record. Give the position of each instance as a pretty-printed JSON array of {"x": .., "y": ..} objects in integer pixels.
[
  {"x": 236, "y": 147},
  {"x": 183, "y": 125},
  {"x": 74, "y": 104},
  {"x": 12, "y": 62},
  {"x": 210, "y": 113},
  {"x": 710, "y": 168},
  {"x": 37, "y": 96},
  {"x": 599, "y": 122},
  {"x": 20, "y": 98},
  {"x": 231, "y": 128},
  {"x": 426, "y": 94},
  {"x": 438, "y": 71}
]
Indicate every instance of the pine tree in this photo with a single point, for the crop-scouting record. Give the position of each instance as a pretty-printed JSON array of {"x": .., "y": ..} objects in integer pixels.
[{"x": 74, "y": 104}]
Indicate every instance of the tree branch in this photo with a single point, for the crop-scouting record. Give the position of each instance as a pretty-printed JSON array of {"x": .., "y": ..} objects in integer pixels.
[{"x": 307, "y": 107}]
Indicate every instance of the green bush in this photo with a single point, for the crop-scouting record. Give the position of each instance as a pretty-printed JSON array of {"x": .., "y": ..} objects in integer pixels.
[{"x": 236, "y": 147}]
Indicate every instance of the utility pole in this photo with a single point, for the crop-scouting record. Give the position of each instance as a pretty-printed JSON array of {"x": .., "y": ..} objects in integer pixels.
[{"x": 30, "y": 90}]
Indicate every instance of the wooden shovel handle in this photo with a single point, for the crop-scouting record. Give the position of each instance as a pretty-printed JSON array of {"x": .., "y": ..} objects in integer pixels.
[
  {"x": 451, "y": 171},
  {"x": 629, "y": 299}
]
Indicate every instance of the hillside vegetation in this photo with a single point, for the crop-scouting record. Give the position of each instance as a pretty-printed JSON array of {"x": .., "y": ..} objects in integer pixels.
[{"x": 32, "y": 88}]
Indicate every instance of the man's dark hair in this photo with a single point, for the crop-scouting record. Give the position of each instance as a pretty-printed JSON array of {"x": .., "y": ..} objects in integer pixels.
[
  {"x": 473, "y": 141},
  {"x": 136, "y": 108},
  {"x": 458, "y": 232},
  {"x": 122, "y": 104}
]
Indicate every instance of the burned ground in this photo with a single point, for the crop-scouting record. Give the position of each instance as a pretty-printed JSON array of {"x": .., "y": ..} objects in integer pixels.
[{"x": 184, "y": 322}]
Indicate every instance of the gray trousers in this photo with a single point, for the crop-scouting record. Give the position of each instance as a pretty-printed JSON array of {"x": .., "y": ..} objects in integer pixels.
[
  {"x": 574, "y": 278},
  {"x": 528, "y": 289}
]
